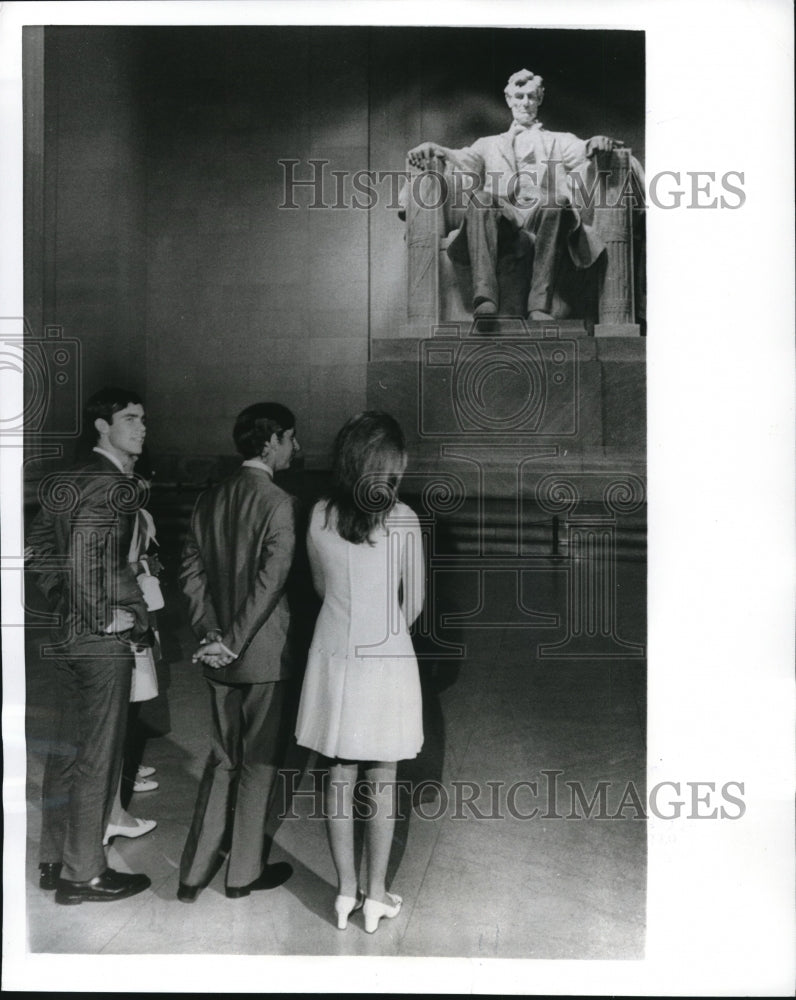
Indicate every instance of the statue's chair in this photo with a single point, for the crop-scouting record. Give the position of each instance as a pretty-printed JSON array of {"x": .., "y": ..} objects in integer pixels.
[{"x": 608, "y": 297}]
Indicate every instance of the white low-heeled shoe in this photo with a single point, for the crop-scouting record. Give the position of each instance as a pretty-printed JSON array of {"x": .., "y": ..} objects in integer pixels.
[
  {"x": 141, "y": 827},
  {"x": 374, "y": 910},
  {"x": 145, "y": 785},
  {"x": 344, "y": 906}
]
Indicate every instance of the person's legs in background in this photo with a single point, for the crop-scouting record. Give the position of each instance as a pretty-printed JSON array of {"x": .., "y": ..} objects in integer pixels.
[{"x": 122, "y": 823}]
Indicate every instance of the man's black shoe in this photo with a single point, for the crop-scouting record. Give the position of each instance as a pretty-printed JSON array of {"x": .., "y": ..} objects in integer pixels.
[
  {"x": 49, "y": 873},
  {"x": 188, "y": 893},
  {"x": 104, "y": 888},
  {"x": 272, "y": 876}
]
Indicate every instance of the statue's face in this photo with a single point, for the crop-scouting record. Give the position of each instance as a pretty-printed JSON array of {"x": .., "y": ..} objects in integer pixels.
[{"x": 524, "y": 102}]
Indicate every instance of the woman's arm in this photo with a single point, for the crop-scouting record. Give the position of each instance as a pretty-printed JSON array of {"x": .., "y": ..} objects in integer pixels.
[
  {"x": 316, "y": 569},
  {"x": 413, "y": 567}
]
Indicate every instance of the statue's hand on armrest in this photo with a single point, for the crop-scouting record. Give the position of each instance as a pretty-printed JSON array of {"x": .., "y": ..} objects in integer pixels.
[
  {"x": 421, "y": 156},
  {"x": 602, "y": 144}
]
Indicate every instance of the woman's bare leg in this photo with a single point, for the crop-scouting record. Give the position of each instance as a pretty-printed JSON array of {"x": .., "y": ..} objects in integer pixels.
[
  {"x": 119, "y": 816},
  {"x": 340, "y": 825},
  {"x": 380, "y": 825}
]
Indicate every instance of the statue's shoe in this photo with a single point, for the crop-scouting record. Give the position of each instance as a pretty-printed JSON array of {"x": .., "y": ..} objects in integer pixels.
[{"x": 486, "y": 307}]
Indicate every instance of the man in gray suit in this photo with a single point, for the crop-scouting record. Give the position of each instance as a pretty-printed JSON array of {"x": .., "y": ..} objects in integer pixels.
[
  {"x": 522, "y": 183},
  {"x": 79, "y": 546},
  {"x": 235, "y": 566}
]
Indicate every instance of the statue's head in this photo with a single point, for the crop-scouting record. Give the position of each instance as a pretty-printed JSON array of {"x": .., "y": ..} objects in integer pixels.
[{"x": 524, "y": 93}]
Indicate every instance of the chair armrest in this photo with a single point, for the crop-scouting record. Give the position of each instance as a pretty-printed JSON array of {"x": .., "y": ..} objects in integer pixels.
[{"x": 434, "y": 199}]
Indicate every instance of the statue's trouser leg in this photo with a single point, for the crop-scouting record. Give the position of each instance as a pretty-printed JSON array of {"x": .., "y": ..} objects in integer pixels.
[
  {"x": 550, "y": 227},
  {"x": 481, "y": 221}
]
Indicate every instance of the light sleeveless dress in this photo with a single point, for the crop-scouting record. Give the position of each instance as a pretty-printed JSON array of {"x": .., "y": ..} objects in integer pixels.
[{"x": 361, "y": 695}]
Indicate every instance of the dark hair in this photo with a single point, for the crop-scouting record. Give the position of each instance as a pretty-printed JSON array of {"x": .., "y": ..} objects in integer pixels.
[
  {"x": 103, "y": 404},
  {"x": 257, "y": 424},
  {"x": 369, "y": 460}
]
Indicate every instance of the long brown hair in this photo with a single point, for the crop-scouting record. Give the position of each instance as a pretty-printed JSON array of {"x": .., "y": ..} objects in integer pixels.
[{"x": 369, "y": 460}]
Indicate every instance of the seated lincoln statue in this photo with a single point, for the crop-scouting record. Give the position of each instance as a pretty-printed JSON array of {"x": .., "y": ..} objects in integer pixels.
[{"x": 539, "y": 186}]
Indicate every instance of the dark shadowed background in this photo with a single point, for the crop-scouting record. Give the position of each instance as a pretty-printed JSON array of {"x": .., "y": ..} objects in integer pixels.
[{"x": 153, "y": 232}]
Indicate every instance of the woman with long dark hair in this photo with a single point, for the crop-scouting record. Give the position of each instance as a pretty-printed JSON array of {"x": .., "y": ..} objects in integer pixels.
[{"x": 360, "y": 703}]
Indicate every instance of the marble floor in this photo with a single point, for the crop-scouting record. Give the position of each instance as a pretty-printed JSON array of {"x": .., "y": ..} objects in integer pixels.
[{"x": 481, "y": 875}]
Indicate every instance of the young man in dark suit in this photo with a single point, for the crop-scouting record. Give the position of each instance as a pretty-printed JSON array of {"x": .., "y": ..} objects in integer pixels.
[
  {"x": 235, "y": 566},
  {"x": 79, "y": 547}
]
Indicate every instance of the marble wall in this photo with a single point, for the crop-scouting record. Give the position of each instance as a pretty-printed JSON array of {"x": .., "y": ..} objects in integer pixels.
[{"x": 85, "y": 180}]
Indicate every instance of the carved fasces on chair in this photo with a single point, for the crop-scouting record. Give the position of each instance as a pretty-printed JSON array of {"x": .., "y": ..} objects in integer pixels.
[
  {"x": 613, "y": 223},
  {"x": 433, "y": 203},
  {"x": 425, "y": 226}
]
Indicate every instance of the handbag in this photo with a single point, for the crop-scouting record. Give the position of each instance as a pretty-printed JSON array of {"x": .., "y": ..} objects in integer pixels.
[
  {"x": 148, "y": 584},
  {"x": 144, "y": 684},
  {"x": 150, "y": 588}
]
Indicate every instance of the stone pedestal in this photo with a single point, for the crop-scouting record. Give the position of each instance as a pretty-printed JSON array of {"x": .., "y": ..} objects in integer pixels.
[
  {"x": 551, "y": 385},
  {"x": 617, "y": 330},
  {"x": 507, "y": 431}
]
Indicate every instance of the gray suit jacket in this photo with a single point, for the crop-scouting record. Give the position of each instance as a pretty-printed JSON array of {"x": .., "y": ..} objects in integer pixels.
[
  {"x": 80, "y": 542},
  {"x": 235, "y": 565}
]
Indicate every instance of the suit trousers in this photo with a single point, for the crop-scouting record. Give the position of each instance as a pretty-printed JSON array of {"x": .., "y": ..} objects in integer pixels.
[
  {"x": 485, "y": 218},
  {"x": 84, "y": 760},
  {"x": 249, "y": 740}
]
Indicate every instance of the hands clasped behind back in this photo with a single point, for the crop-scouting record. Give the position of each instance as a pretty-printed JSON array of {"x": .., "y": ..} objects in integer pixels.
[{"x": 213, "y": 654}]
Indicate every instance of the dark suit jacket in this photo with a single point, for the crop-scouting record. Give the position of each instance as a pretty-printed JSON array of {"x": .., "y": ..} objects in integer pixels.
[
  {"x": 80, "y": 542},
  {"x": 235, "y": 565}
]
